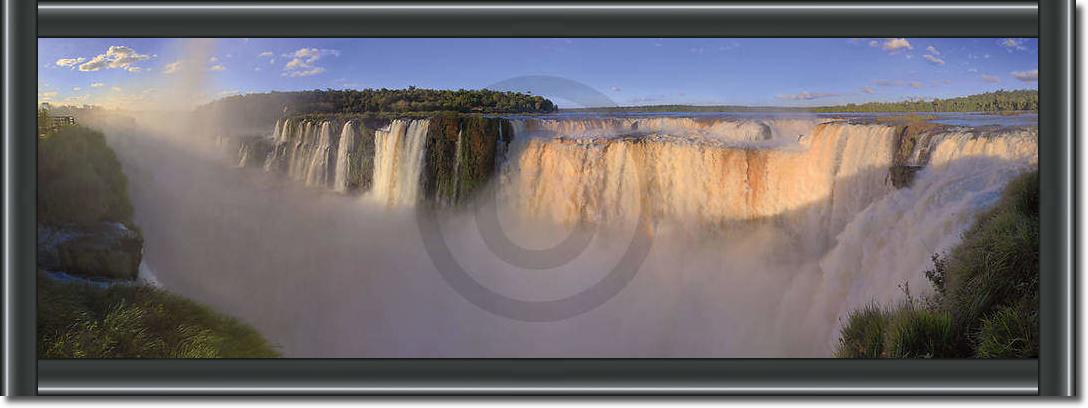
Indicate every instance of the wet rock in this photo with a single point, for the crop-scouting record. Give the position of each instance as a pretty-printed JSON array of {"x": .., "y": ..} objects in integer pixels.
[
  {"x": 902, "y": 176},
  {"x": 107, "y": 250}
]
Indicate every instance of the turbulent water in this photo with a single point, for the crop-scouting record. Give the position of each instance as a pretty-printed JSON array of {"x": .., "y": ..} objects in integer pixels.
[
  {"x": 398, "y": 162},
  {"x": 766, "y": 232}
]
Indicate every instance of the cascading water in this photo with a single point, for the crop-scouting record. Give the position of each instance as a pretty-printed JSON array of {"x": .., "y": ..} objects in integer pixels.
[
  {"x": 344, "y": 151},
  {"x": 317, "y": 172},
  {"x": 767, "y": 232},
  {"x": 398, "y": 162}
]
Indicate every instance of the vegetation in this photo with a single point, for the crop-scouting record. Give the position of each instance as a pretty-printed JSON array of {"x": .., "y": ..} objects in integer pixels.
[
  {"x": 997, "y": 101},
  {"x": 81, "y": 184},
  {"x": 986, "y": 293},
  {"x": 80, "y": 180},
  {"x": 687, "y": 108},
  {"x": 78, "y": 320},
  {"x": 452, "y": 179},
  {"x": 264, "y": 108}
]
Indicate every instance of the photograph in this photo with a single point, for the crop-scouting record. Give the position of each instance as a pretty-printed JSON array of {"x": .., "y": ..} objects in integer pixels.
[{"x": 533, "y": 197}]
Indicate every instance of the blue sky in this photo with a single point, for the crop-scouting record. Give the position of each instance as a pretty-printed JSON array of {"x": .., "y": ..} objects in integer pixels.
[{"x": 134, "y": 72}]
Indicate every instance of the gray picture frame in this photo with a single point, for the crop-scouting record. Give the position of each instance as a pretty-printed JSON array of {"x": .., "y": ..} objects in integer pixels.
[{"x": 1052, "y": 374}]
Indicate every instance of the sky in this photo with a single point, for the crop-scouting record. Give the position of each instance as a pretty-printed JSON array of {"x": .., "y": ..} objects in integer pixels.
[{"x": 141, "y": 72}]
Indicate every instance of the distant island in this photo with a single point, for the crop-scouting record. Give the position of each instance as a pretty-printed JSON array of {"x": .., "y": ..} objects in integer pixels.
[{"x": 998, "y": 101}]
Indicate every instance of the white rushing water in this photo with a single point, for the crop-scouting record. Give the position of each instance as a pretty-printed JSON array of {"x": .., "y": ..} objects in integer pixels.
[
  {"x": 346, "y": 148},
  {"x": 763, "y": 240},
  {"x": 398, "y": 162}
]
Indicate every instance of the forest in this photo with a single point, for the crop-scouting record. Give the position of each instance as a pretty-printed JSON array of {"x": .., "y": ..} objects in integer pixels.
[{"x": 997, "y": 101}]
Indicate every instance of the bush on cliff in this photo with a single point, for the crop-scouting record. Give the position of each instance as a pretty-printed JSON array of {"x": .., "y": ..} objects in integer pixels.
[
  {"x": 78, "y": 320},
  {"x": 986, "y": 300},
  {"x": 80, "y": 180}
]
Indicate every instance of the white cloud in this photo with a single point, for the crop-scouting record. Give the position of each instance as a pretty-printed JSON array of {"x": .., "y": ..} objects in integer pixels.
[
  {"x": 917, "y": 85},
  {"x": 1012, "y": 44},
  {"x": 116, "y": 89},
  {"x": 933, "y": 59},
  {"x": 1027, "y": 76},
  {"x": 171, "y": 67},
  {"x": 308, "y": 72},
  {"x": 868, "y": 89},
  {"x": 616, "y": 88},
  {"x": 303, "y": 60},
  {"x": 874, "y": 43},
  {"x": 896, "y": 44},
  {"x": 47, "y": 96},
  {"x": 97, "y": 84},
  {"x": 933, "y": 50},
  {"x": 217, "y": 68},
  {"x": 117, "y": 56},
  {"x": 990, "y": 78},
  {"x": 972, "y": 70},
  {"x": 265, "y": 54},
  {"x": 213, "y": 59},
  {"x": 807, "y": 96},
  {"x": 76, "y": 88},
  {"x": 70, "y": 62}
]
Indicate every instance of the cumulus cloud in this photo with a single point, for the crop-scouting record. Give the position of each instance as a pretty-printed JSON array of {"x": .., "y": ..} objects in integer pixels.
[
  {"x": 266, "y": 54},
  {"x": 990, "y": 78},
  {"x": 171, "y": 67},
  {"x": 116, "y": 57},
  {"x": 934, "y": 60},
  {"x": 933, "y": 50},
  {"x": 1026, "y": 76},
  {"x": 616, "y": 88},
  {"x": 302, "y": 61},
  {"x": 97, "y": 85},
  {"x": 896, "y": 44},
  {"x": 868, "y": 90},
  {"x": 70, "y": 62},
  {"x": 1013, "y": 44},
  {"x": 807, "y": 96},
  {"x": 217, "y": 68},
  {"x": 47, "y": 96}
]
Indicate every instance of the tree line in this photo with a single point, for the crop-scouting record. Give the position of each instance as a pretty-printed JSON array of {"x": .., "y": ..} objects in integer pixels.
[{"x": 997, "y": 101}]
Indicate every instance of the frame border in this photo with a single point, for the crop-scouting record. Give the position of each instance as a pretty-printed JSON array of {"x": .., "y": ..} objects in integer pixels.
[{"x": 1052, "y": 374}]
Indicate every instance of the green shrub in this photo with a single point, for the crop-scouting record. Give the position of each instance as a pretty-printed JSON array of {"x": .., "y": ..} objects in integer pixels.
[
  {"x": 914, "y": 332},
  {"x": 77, "y": 320},
  {"x": 80, "y": 181},
  {"x": 1011, "y": 332},
  {"x": 986, "y": 300},
  {"x": 863, "y": 334},
  {"x": 997, "y": 264}
]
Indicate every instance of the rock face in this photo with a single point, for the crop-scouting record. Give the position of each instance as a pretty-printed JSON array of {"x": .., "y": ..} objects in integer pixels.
[{"x": 108, "y": 250}]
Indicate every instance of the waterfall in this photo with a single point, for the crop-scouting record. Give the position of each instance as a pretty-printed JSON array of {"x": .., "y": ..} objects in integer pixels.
[
  {"x": 398, "y": 162},
  {"x": 317, "y": 172},
  {"x": 344, "y": 153},
  {"x": 572, "y": 181}
]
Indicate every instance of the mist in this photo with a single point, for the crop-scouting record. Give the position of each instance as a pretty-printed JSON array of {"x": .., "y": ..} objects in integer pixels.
[{"x": 811, "y": 230}]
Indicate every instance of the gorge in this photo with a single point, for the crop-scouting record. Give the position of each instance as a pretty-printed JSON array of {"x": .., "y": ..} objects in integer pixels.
[{"x": 767, "y": 229}]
